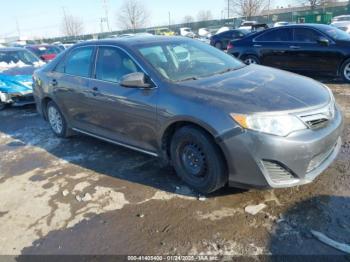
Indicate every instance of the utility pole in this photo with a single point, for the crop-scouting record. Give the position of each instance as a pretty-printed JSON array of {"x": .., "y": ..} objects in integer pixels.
[
  {"x": 169, "y": 19},
  {"x": 65, "y": 20},
  {"x": 268, "y": 11},
  {"x": 18, "y": 29},
  {"x": 105, "y": 7},
  {"x": 228, "y": 9}
]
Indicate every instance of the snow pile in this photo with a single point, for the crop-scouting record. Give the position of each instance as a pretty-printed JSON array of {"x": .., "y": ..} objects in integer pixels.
[{"x": 5, "y": 66}]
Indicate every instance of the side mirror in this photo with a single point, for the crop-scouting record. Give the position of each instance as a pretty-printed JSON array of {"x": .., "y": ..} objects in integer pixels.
[
  {"x": 136, "y": 80},
  {"x": 323, "y": 41}
]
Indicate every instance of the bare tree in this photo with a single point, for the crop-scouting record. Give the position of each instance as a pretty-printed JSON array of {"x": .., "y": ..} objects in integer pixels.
[
  {"x": 246, "y": 8},
  {"x": 71, "y": 25},
  {"x": 132, "y": 15},
  {"x": 315, "y": 3},
  {"x": 188, "y": 19},
  {"x": 204, "y": 15}
]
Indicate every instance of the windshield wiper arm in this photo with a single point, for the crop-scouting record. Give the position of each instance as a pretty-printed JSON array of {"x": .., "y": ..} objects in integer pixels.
[{"x": 189, "y": 78}]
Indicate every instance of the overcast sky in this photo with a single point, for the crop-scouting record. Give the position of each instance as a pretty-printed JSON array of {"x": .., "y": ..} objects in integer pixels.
[{"x": 38, "y": 18}]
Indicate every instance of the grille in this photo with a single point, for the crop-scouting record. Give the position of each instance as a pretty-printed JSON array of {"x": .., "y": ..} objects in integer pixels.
[
  {"x": 277, "y": 173},
  {"x": 320, "y": 117}
]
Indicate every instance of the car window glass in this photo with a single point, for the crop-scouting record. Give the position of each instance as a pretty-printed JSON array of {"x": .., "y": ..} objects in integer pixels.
[
  {"x": 112, "y": 64},
  {"x": 60, "y": 66},
  {"x": 79, "y": 61},
  {"x": 281, "y": 35},
  {"x": 306, "y": 35}
]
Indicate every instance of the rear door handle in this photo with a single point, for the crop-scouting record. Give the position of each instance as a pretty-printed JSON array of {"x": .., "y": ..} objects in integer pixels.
[
  {"x": 257, "y": 45},
  {"x": 54, "y": 82},
  {"x": 294, "y": 47},
  {"x": 95, "y": 91}
]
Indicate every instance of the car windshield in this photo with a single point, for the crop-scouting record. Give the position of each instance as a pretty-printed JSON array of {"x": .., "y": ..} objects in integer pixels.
[
  {"x": 189, "y": 60},
  {"x": 15, "y": 57},
  {"x": 336, "y": 33}
]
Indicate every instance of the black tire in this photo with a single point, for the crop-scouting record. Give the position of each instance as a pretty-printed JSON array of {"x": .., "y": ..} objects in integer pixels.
[
  {"x": 251, "y": 59},
  {"x": 206, "y": 171},
  {"x": 345, "y": 71},
  {"x": 62, "y": 132},
  {"x": 218, "y": 45},
  {"x": 2, "y": 106}
]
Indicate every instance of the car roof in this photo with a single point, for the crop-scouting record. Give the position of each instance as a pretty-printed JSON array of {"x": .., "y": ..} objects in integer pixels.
[
  {"x": 11, "y": 49},
  {"x": 135, "y": 40},
  {"x": 319, "y": 26}
]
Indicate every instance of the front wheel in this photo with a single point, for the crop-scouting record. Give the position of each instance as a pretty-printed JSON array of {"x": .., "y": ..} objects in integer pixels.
[
  {"x": 197, "y": 160},
  {"x": 345, "y": 71},
  {"x": 251, "y": 60}
]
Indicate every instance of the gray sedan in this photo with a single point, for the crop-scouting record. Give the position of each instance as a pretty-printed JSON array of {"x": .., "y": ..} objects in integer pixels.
[{"x": 215, "y": 120}]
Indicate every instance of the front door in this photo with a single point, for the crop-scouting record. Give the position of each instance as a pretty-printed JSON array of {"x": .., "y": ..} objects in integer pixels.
[{"x": 127, "y": 115}]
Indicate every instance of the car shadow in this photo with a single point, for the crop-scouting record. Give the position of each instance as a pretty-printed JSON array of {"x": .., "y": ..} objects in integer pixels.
[
  {"x": 295, "y": 232},
  {"x": 27, "y": 128}
]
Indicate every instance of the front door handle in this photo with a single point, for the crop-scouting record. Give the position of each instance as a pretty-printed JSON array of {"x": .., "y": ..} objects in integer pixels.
[
  {"x": 294, "y": 47},
  {"x": 257, "y": 45}
]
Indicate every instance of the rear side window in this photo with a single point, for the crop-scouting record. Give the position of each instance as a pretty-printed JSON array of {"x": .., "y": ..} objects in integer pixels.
[
  {"x": 280, "y": 35},
  {"x": 79, "y": 61},
  {"x": 112, "y": 64},
  {"x": 306, "y": 35}
]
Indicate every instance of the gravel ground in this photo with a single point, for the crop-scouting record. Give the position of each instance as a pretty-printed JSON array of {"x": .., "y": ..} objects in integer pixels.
[{"x": 84, "y": 196}]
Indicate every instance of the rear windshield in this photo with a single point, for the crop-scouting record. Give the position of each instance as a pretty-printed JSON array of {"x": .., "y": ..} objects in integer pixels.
[{"x": 335, "y": 33}]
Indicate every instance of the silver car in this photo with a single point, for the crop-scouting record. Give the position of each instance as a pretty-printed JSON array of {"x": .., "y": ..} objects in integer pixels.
[{"x": 216, "y": 120}]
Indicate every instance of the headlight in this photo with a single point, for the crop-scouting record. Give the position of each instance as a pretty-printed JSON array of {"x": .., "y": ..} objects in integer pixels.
[{"x": 279, "y": 125}]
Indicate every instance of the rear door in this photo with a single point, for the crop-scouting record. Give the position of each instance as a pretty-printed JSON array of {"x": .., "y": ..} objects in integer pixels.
[
  {"x": 309, "y": 55},
  {"x": 272, "y": 47},
  {"x": 71, "y": 83}
]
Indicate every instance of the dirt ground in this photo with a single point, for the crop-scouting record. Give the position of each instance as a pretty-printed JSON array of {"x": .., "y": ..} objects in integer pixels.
[{"x": 84, "y": 196}]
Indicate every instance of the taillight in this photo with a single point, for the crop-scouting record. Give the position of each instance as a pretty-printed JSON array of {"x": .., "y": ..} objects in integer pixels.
[{"x": 230, "y": 46}]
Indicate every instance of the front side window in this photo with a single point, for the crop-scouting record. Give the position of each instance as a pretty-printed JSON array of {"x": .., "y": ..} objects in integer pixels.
[
  {"x": 112, "y": 64},
  {"x": 280, "y": 35},
  {"x": 184, "y": 60},
  {"x": 306, "y": 35},
  {"x": 79, "y": 62}
]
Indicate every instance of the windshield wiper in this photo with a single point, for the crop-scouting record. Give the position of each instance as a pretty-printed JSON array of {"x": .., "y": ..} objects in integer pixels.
[{"x": 188, "y": 79}]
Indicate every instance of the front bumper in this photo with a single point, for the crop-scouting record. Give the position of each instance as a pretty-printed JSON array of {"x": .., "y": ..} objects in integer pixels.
[
  {"x": 17, "y": 99},
  {"x": 257, "y": 160}
]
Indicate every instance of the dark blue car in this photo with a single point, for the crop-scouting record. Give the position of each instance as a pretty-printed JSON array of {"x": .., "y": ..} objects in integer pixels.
[{"x": 16, "y": 69}]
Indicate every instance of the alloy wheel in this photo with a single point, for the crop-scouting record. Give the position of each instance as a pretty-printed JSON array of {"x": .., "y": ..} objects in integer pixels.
[
  {"x": 250, "y": 61},
  {"x": 55, "y": 120},
  {"x": 347, "y": 72}
]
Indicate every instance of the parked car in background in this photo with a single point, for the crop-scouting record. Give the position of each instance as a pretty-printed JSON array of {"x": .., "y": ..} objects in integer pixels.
[
  {"x": 216, "y": 120},
  {"x": 221, "y": 40},
  {"x": 204, "y": 32},
  {"x": 16, "y": 68},
  {"x": 341, "y": 18},
  {"x": 187, "y": 32},
  {"x": 44, "y": 52},
  {"x": 342, "y": 22},
  {"x": 309, "y": 48},
  {"x": 278, "y": 24},
  {"x": 161, "y": 31},
  {"x": 247, "y": 25}
]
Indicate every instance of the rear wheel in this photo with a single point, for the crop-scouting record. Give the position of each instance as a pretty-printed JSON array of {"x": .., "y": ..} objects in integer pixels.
[
  {"x": 218, "y": 45},
  {"x": 345, "y": 71},
  {"x": 57, "y": 121},
  {"x": 250, "y": 59},
  {"x": 197, "y": 160},
  {"x": 2, "y": 106}
]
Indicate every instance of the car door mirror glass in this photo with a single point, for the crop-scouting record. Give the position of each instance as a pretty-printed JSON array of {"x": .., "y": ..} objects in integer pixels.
[
  {"x": 323, "y": 41},
  {"x": 135, "y": 80}
]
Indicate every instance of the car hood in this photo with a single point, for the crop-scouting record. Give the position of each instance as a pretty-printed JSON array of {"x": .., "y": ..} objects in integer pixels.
[
  {"x": 17, "y": 80},
  {"x": 256, "y": 88}
]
